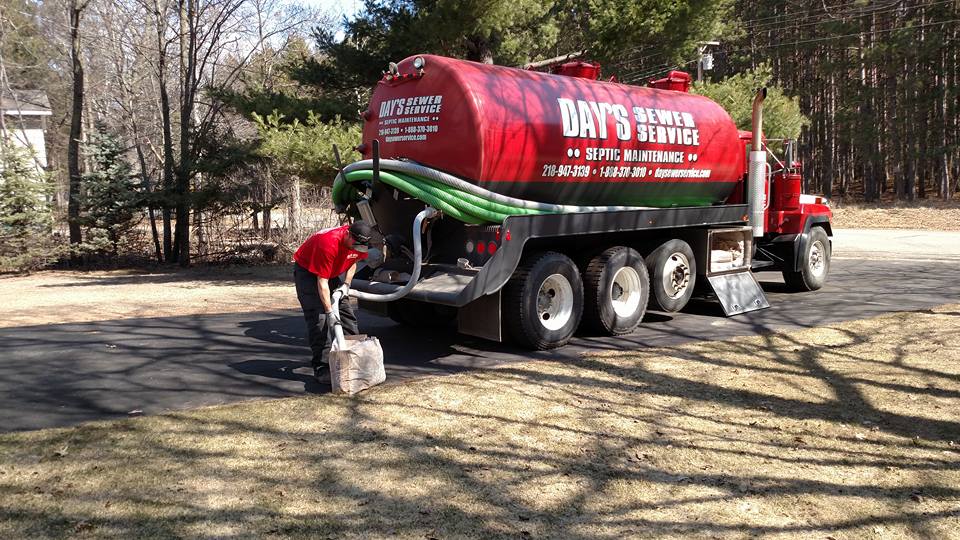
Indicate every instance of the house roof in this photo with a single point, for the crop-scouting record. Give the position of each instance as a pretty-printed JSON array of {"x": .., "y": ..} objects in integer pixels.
[{"x": 25, "y": 102}]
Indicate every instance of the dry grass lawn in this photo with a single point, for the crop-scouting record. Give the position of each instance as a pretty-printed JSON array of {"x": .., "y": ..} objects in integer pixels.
[
  {"x": 62, "y": 297},
  {"x": 850, "y": 431},
  {"x": 933, "y": 215}
]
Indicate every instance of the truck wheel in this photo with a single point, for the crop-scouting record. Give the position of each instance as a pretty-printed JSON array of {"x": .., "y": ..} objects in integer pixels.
[
  {"x": 543, "y": 301},
  {"x": 617, "y": 286},
  {"x": 673, "y": 274},
  {"x": 814, "y": 263}
]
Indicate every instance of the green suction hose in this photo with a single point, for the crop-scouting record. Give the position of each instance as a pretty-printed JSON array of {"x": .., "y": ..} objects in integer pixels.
[
  {"x": 453, "y": 202},
  {"x": 418, "y": 190}
]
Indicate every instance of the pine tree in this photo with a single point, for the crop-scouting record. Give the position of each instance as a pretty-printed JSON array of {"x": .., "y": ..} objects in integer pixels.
[
  {"x": 26, "y": 239},
  {"x": 781, "y": 113},
  {"x": 111, "y": 199}
]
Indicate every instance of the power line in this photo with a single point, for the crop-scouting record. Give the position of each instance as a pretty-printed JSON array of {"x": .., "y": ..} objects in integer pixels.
[
  {"x": 808, "y": 20},
  {"x": 819, "y": 12},
  {"x": 632, "y": 77},
  {"x": 815, "y": 21},
  {"x": 857, "y": 34}
]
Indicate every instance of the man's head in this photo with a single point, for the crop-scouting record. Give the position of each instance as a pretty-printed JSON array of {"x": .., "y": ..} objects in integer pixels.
[{"x": 360, "y": 232}]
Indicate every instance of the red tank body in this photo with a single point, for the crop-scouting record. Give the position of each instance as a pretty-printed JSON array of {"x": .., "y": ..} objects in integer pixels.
[{"x": 554, "y": 138}]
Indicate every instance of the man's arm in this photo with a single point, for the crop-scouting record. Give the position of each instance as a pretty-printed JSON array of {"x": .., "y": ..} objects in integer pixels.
[
  {"x": 323, "y": 285},
  {"x": 350, "y": 272}
]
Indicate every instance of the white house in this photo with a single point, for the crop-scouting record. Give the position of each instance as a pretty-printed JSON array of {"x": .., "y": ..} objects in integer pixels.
[{"x": 24, "y": 120}]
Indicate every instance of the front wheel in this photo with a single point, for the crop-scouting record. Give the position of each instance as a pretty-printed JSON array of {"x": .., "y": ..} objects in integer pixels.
[
  {"x": 814, "y": 263},
  {"x": 543, "y": 301}
]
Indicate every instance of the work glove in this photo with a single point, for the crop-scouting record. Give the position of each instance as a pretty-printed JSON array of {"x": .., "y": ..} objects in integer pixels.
[{"x": 345, "y": 289}]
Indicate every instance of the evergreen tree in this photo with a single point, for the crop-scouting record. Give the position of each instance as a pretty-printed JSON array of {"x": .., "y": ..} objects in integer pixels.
[
  {"x": 305, "y": 149},
  {"x": 506, "y": 32},
  {"x": 111, "y": 199},
  {"x": 781, "y": 113},
  {"x": 264, "y": 91},
  {"x": 636, "y": 37},
  {"x": 878, "y": 80},
  {"x": 26, "y": 240}
]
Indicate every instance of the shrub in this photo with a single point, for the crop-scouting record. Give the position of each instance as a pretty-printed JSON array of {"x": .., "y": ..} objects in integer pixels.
[{"x": 781, "y": 113}]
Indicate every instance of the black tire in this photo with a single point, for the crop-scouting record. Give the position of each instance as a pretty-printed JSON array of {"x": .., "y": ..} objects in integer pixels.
[
  {"x": 527, "y": 312},
  {"x": 814, "y": 263},
  {"x": 615, "y": 301},
  {"x": 420, "y": 314},
  {"x": 673, "y": 275}
]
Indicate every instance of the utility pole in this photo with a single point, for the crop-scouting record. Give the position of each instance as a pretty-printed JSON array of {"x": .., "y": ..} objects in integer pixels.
[{"x": 705, "y": 60}]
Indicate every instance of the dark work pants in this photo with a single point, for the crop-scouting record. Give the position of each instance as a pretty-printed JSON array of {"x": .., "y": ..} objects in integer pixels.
[{"x": 309, "y": 295}]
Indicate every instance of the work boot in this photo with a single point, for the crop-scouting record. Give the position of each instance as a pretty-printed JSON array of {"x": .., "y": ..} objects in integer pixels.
[{"x": 322, "y": 373}]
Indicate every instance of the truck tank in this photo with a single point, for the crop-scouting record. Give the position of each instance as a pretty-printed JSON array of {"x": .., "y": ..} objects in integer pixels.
[{"x": 556, "y": 138}]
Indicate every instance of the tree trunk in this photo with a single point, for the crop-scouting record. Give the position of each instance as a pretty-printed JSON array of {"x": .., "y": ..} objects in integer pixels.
[
  {"x": 267, "y": 204},
  {"x": 922, "y": 116},
  {"x": 76, "y": 124},
  {"x": 148, "y": 189},
  {"x": 188, "y": 84},
  {"x": 198, "y": 223},
  {"x": 910, "y": 141},
  {"x": 479, "y": 50},
  {"x": 165, "y": 120},
  {"x": 295, "y": 217},
  {"x": 829, "y": 159},
  {"x": 943, "y": 167}
]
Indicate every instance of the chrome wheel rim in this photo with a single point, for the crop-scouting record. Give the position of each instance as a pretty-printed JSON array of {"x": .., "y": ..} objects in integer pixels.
[
  {"x": 817, "y": 262},
  {"x": 555, "y": 302},
  {"x": 625, "y": 291},
  {"x": 676, "y": 275}
]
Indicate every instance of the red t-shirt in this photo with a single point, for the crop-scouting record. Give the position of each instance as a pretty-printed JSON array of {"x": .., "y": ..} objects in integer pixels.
[{"x": 323, "y": 253}]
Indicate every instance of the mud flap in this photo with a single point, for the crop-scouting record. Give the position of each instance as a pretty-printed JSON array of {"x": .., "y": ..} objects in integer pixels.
[
  {"x": 481, "y": 318},
  {"x": 738, "y": 292}
]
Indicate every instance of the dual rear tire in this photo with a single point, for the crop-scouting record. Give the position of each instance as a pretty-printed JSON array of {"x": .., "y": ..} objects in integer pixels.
[
  {"x": 543, "y": 301},
  {"x": 548, "y": 296},
  {"x": 673, "y": 273},
  {"x": 617, "y": 290}
]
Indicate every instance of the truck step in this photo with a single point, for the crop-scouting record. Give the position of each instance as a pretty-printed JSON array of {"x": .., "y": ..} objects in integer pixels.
[{"x": 738, "y": 292}]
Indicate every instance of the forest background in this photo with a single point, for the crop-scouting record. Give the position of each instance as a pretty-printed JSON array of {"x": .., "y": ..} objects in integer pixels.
[{"x": 202, "y": 130}]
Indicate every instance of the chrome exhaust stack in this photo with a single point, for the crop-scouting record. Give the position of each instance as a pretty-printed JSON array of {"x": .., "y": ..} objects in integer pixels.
[{"x": 757, "y": 175}]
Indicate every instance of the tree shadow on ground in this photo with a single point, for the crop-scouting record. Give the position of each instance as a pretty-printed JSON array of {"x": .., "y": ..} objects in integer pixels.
[{"x": 782, "y": 435}]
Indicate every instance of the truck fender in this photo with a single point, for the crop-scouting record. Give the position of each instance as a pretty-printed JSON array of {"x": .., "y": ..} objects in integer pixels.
[{"x": 800, "y": 242}]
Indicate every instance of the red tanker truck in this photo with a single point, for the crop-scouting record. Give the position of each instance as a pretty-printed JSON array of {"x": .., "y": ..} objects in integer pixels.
[{"x": 531, "y": 205}]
